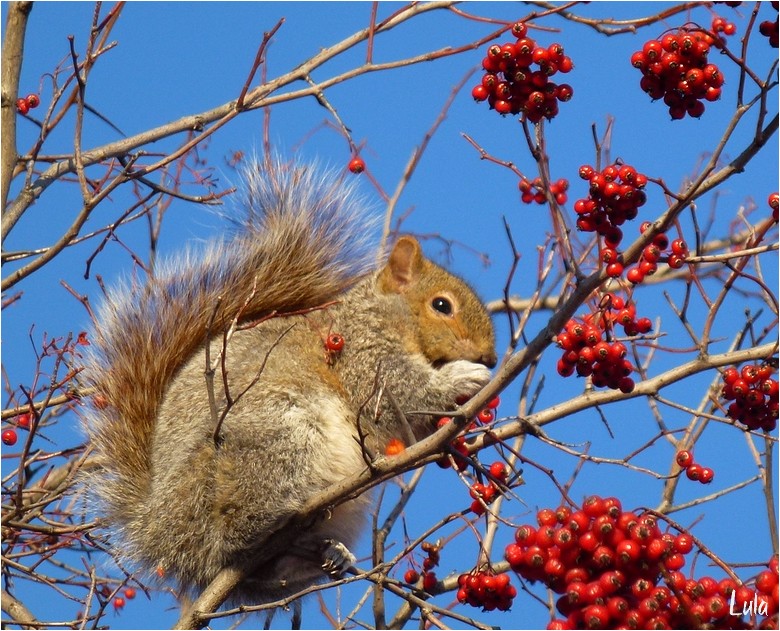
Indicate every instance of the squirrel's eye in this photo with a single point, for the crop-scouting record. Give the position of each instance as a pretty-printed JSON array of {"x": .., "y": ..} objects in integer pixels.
[{"x": 442, "y": 305}]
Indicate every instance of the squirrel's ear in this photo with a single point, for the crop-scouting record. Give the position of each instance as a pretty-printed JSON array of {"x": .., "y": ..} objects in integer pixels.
[{"x": 403, "y": 266}]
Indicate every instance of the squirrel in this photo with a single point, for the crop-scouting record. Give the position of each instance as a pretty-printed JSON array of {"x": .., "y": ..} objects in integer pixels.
[{"x": 221, "y": 409}]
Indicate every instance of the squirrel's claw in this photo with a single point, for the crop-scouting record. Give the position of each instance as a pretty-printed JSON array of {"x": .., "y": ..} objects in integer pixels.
[{"x": 336, "y": 558}]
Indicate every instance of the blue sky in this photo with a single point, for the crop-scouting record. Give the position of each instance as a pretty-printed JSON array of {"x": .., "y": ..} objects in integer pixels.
[{"x": 174, "y": 59}]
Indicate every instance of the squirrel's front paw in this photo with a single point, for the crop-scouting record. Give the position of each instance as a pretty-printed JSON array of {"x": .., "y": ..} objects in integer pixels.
[
  {"x": 465, "y": 377},
  {"x": 336, "y": 558}
]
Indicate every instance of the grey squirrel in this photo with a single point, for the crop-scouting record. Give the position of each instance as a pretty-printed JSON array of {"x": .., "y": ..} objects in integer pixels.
[{"x": 220, "y": 409}]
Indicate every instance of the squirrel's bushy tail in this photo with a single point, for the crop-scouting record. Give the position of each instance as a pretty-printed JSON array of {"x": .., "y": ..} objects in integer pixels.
[{"x": 301, "y": 239}]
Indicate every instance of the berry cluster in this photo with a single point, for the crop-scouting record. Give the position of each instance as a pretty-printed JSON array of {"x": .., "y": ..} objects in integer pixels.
[
  {"x": 459, "y": 449},
  {"x": 721, "y": 25},
  {"x": 9, "y": 435},
  {"x": 119, "y": 600},
  {"x": 693, "y": 470},
  {"x": 484, "y": 494},
  {"x": 753, "y": 393},
  {"x": 675, "y": 68},
  {"x": 24, "y": 105},
  {"x": 510, "y": 86},
  {"x": 615, "y": 195},
  {"x": 533, "y": 191},
  {"x": 652, "y": 254},
  {"x": 429, "y": 579},
  {"x": 586, "y": 352},
  {"x": 486, "y": 589},
  {"x": 769, "y": 29},
  {"x": 616, "y": 569}
]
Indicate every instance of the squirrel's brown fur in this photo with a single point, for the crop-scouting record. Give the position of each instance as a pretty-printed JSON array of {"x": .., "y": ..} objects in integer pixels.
[{"x": 194, "y": 473}]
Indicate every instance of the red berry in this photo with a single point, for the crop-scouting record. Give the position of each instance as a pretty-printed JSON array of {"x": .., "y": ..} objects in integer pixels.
[
  {"x": 479, "y": 92},
  {"x": 707, "y": 475},
  {"x": 635, "y": 276},
  {"x": 498, "y": 470},
  {"x": 694, "y": 472},
  {"x": 679, "y": 247},
  {"x": 525, "y": 535},
  {"x": 546, "y": 517},
  {"x": 644, "y": 325},
  {"x": 130, "y": 593},
  {"x": 502, "y": 106},
  {"x": 335, "y": 342},
  {"x": 749, "y": 373},
  {"x": 357, "y": 165},
  {"x": 519, "y": 30},
  {"x": 596, "y": 617},
  {"x": 33, "y": 100},
  {"x": 24, "y": 420},
  {"x": 684, "y": 458},
  {"x": 22, "y": 106},
  {"x": 411, "y": 576},
  {"x": 118, "y": 602},
  {"x": 675, "y": 262},
  {"x": 652, "y": 50},
  {"x": 766, "y": 581},
  {"x": 564, "y": 92},
  {"x": 485, "y": 416},
  {"x": 9, "y": 437},
  {"x": 730, "y": 375}
]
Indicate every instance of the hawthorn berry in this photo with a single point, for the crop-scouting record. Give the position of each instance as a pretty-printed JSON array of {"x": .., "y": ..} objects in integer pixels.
[
  {"x": 33, "y": 100},
  {"x": 411, "y": 576},
  {"x": 22, "y": 106},
  {"x": 485, "y": 416},
  {"x": 429, "y": 581},
  {"x": 707, "y": 475},
  {"x": 499, "y": 470},
  {"x": 635, "y": 276},
  {"x": 357, "y": 165},
  {"x": 684, "y": 458},
  {"x": 774, "y": 202},
  {"x": 694, "y": 471},
  {"x": 394, "y": 447},
  {"x": 24, "y": 420},
  {"x": 334, "y": 342},
  {"x": 9, "y": 437}
]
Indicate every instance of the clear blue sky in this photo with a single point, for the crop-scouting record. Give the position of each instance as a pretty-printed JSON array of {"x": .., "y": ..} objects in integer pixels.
[{"x": 174, "y": 59}]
